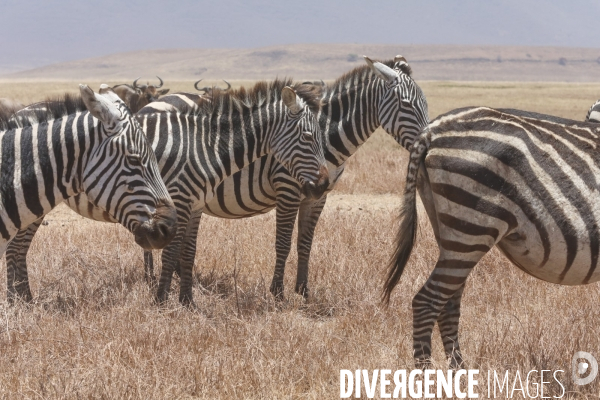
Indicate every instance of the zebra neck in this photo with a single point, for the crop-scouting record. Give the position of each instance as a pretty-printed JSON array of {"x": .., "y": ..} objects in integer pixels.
[
  {"x": 217, "y": 145},
  {"x": 40, "y": 167},
  {"x": 242, "y": 136},
  {"x": 349, "y": 117}
]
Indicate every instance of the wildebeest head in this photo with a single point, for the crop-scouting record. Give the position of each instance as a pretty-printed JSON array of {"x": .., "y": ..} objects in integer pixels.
[
  {"x": 137, "y": 96},
  {"x": 208, "y": 90}
]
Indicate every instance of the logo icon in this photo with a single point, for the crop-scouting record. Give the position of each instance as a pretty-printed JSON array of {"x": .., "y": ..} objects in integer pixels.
[{"x": 583, "y": 364}]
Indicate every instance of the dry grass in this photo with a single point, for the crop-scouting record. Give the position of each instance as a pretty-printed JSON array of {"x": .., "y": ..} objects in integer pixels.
[{"x": 93, "y": 331}]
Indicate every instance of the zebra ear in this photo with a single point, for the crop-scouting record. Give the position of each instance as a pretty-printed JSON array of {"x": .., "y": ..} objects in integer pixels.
[
  {"x": 382, "y": 71},
  {"x": 401, "y": 64},
  {"x": 109, "y": 93},
  {"x": 291, "y": 100},
  {"x": 98, "y": 105}
]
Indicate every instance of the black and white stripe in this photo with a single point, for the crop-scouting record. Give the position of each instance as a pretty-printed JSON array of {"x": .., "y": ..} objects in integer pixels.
[
  {"x": 379, "y": 94},
  {"x": 525, "y": 182},
  {"x": 198, "y": 147},
  {"x": 102, "y": 152}
]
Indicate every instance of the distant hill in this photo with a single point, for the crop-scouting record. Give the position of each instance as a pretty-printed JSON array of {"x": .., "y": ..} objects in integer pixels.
[{"x": 327, "y": 61}]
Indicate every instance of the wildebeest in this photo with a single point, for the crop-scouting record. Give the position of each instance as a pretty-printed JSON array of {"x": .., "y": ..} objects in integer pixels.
[
  {"x": 209, "y": 89},
  {"x": 137, "y": 96}
]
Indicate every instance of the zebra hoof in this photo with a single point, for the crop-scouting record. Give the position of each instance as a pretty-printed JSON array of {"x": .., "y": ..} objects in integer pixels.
[
  {"x": 302, "y": 289},
  {"x": 423, "y": 363},
  {"x": 277, "y": 291},
  {"x": 457, "y": 362},
  {"x": 16, "y": 296},
  {"x": 187, "y": 301},
  {"x": 160, "y": 298},
  {"x": 151, "y": 281}
]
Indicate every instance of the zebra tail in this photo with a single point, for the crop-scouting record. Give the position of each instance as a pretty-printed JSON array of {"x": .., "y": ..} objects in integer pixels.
[{"x": 407, "y": 231}]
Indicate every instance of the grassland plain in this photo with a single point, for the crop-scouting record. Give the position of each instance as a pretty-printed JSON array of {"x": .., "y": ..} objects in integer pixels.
[{"x": 93, "y": 332}]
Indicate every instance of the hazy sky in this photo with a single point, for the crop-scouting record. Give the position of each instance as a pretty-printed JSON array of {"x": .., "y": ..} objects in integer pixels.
[{"x": 37, "y": 32}]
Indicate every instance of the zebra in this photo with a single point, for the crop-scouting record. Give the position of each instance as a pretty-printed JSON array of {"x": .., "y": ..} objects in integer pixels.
[
  {"x": 101, "y": 152},
  {"x": 209, "y": 89},
  {"x": 593, "y": 114},
  {"x": 523, "y": 181},
  {"x": 353, "y": 107},
  {"x": 383, "y": 94},
  {"x": 389, "y": 95},
  {"x": 197, "y": 147}
]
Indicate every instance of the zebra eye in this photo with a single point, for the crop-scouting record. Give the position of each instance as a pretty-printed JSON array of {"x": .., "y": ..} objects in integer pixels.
[
  {"x": 134, "y": 160},
  {"x": 308, "y": 136}
]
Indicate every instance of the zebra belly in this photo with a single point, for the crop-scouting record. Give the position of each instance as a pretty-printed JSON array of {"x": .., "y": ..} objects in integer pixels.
[{"x": 534, "y": 223}]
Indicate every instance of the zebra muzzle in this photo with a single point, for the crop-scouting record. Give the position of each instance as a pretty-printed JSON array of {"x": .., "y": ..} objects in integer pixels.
[
  {"x": 157, "y": 232},
  {"x": 316, "y": 190}
]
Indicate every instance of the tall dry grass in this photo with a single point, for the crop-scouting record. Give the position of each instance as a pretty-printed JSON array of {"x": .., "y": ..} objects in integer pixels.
[{"x": 93, "y": 331}]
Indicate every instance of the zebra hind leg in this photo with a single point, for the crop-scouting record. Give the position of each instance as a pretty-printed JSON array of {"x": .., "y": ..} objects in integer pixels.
[
  {"x": 439, "y": 300},
  {"x": 16, "y": 264},
  {"x": 448, "y": 324},
  {"x": 308, "y": 218}
]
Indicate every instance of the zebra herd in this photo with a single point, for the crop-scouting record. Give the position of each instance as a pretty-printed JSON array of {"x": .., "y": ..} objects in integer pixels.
[{"x": 523, "y": 181}]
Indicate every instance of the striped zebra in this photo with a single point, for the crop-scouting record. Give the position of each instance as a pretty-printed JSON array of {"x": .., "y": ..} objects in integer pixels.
[
  {"x": 354, "y": 106},
  {"x": 199, "y": 147},
  {"x": 377, "y": 94},
  {"x": 523, "y": 181},
  {"x": 593, "y": 114},
  {"x": 102, "y": 153}
]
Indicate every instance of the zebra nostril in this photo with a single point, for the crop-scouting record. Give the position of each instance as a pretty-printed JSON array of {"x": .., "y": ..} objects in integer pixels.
[{"x": 164, "y": 230}]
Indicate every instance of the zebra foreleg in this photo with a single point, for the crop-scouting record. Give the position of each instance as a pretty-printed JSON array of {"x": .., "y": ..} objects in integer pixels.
[
  {"x": 308, "y": 217},
  {"x": 17, "y": 279},
  {"x": 149, "y": 269},
  {"x": 186, "y": 260},
  {"x": 286, "y": 218},
  {"x": 170, "y": 256}
]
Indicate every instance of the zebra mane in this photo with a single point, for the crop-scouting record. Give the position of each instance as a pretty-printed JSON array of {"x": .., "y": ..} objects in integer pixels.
[
  {"x": 218, "y": 101},
  {"x": 40, "y": 112},
  {"x": 362, "y": 74}
]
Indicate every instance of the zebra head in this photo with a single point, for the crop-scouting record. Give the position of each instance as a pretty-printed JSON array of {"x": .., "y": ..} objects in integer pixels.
[
  {"x": 299, "y": 145},
  {"x": 403, "y": 106},
  {"x": 121, "y": 175}
]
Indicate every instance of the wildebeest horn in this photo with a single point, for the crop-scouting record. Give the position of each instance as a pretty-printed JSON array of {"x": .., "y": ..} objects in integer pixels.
[
  {"x": 211, "y": 88},
  {"x": 135, "y": 82},
  {"x": 161, "y": 82}
]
